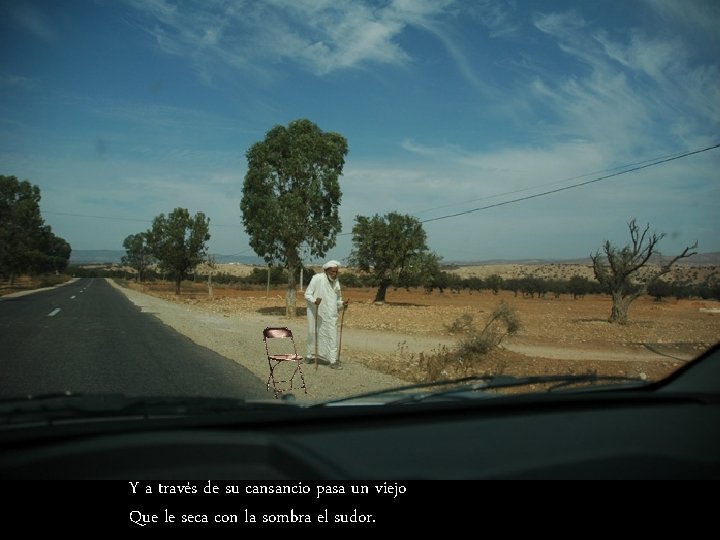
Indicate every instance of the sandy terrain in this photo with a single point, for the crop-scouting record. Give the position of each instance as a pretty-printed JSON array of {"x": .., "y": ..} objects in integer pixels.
[{"x": 403, "y": 340}]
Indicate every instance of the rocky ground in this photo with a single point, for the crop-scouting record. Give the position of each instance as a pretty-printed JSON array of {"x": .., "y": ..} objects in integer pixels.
[{"x": 414, "y": 336}]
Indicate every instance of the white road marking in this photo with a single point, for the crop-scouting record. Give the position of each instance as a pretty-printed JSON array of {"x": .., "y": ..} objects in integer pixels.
[{"x": 54, "y": 312}]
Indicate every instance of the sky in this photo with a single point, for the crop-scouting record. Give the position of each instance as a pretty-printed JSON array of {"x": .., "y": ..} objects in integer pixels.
[{"x": 513, "y": 129}]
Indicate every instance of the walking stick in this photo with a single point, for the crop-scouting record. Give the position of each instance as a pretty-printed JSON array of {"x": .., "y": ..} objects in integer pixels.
[
  {"x": 316, "y": 336},
  {"x": 342, "y": 318}
]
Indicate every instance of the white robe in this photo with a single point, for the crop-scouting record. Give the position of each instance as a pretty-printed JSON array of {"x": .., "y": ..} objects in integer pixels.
[{"x": 327, "y": 317}]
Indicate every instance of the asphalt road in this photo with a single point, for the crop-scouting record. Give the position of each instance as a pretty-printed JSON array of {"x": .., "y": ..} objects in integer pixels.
[{"x": 86, "y": 337}]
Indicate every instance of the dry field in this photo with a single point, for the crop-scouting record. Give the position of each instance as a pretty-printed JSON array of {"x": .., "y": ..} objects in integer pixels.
[{"x": 408, "y": 333}]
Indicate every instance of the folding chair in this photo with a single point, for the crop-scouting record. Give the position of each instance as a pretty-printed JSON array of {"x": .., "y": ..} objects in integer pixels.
[{"x": 282, "y": 357}]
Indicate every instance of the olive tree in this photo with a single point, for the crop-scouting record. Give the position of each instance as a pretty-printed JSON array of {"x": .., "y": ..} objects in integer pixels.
[
  {"x": 393, "y": 250},
  {"x": 178, "y": 242},
  {"x": 624, "y": 272},
  {"x": 291, "y": 196},
  {"x": 137, "y": 253}
]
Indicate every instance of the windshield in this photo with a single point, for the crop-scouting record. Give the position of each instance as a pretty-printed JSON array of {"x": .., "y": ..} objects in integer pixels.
[{"x": 412, "y": 191}]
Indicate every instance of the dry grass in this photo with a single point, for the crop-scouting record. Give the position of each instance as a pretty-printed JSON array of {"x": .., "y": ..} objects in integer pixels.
[{"x": 554, "y": 335}]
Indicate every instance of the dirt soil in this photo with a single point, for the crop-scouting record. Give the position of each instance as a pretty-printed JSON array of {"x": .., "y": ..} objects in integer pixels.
[{"x": 410, "y": 337}]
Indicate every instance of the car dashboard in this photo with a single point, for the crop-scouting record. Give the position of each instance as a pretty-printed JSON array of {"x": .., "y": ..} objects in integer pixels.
[{"x": 621, "y": 434}]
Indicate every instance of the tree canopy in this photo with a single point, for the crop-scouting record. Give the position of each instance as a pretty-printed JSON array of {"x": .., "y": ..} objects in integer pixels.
[
  {"x": 178, "y": 242},
  {"x": 624, "y": 272},
  {"x": 291, "y": 196},
  {"x": 26, "y": 243},
  {"x": 137, "y": 253},
  {"x": 393, "y": 250}
]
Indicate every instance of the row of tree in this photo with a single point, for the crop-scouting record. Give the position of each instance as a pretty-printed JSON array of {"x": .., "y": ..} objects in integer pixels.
[
  {"x": 444, "y": 280},
  {"x": 176, "y": 244},
  {"x": 27, "y": 245},
  {"x": 290, "y": 201},
  {"x": 290, "y": 209}
]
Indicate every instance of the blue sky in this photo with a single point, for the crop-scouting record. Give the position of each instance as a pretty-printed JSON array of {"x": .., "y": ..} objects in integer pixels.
[{"x": 460, "y": 113}]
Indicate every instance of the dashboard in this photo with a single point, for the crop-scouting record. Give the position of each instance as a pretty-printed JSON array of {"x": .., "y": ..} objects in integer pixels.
[
  {"x": 358, "y": 466},
  {"x": 633, "y": 434}
]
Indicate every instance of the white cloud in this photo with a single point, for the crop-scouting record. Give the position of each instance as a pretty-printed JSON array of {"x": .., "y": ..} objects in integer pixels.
[
  {"x": 324, "y": 36},
  {"x": 629, "y": 89}
]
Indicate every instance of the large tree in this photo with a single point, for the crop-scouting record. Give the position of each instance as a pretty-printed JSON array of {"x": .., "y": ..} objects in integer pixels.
[
  {"x": 52, "y": 253},
  {"x": 26, "y": 243},
  {"x": 291, "y": 196},
  {"x": 625, "y": 273},
  {"x": 138, "y": 254},
  {"x": 393, "y": 250},
  {"x": 178, "y": 242}
]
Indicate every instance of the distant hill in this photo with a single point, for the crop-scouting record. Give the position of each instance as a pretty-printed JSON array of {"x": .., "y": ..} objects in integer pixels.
[
  {"x": 96, "y": 256},
  {"x": 114, "y": 256},
  {"x": 109, "y": 256},
  {"x": 701, "y": 259}
]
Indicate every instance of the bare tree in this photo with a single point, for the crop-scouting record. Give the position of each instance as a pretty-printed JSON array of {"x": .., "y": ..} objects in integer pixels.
[{"x": 624, "y": 272}]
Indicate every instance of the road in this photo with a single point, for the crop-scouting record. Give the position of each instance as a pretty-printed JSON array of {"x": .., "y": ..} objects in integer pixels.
[{"x": 86, "y": 336}]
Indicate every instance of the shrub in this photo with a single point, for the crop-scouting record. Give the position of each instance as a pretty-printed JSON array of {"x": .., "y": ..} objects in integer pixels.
[{"x": 472, "y": 349}]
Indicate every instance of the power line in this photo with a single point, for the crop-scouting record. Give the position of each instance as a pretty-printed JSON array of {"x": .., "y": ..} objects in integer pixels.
[
  {"x": 117, "y": 218},
  {"x": 643, "y": 165},
  {"x": 580, "y": 184},
  {"x": 553, "y": 183},
  {"x": 96, "y": 217}
]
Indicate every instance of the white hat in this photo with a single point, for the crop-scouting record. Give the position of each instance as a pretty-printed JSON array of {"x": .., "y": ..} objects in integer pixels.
[{"x": 331, "y": 264}]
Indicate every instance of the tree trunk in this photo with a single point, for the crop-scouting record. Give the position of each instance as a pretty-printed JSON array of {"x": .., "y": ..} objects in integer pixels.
[
  {"x": 620, "y": 307},
  {"x": 291, "y": 294},
  {"x": 380, "y": 294},
  {"x": 178, "y": 281}
]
